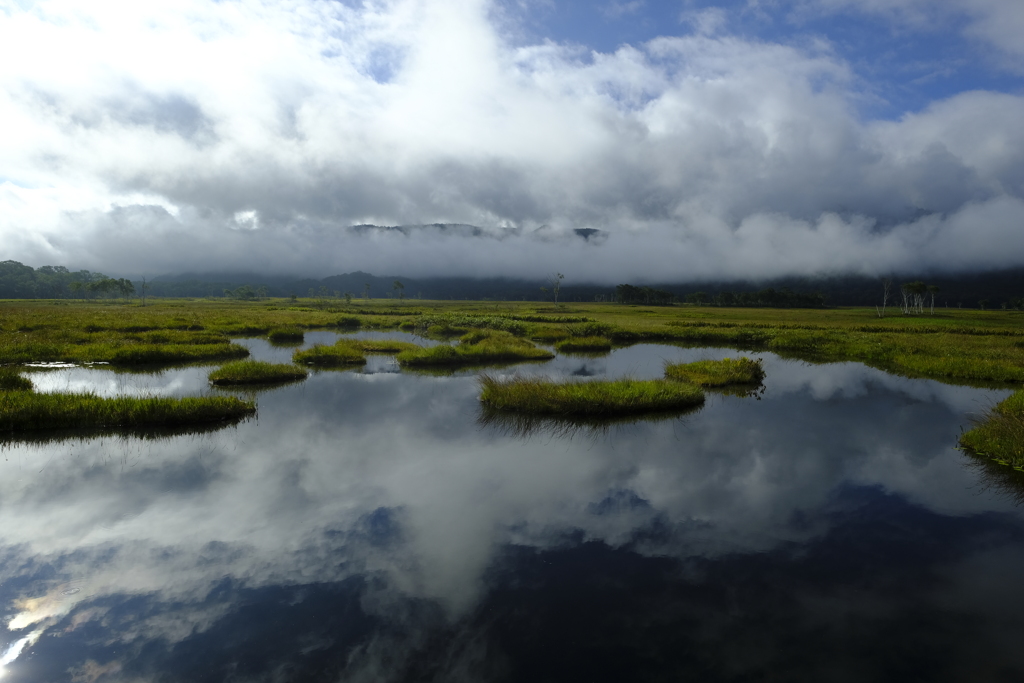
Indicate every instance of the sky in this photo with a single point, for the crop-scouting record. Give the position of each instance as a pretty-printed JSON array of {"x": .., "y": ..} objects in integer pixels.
[{"x": 701, "y": 141}]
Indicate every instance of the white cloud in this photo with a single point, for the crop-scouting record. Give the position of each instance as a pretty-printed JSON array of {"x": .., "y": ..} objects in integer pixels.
[{"x": 151, "y": 137}]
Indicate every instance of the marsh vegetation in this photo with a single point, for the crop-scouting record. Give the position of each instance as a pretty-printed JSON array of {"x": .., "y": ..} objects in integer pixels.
[
  {"x": 256, "y": 372},
  {"x": 958, "y": 346},
  {"x": 285, "y": 335},
  {"x": 477, "y": 347},
  {"x": 334, "y": 355},
  {"x": 611, "y": 398},
  {"x": 718, "y": 373},
  {"x": 12, "y": 381},
  {"x": 30, "y": 411},
  {"x": 999, "y": 436},
  {"x": 584, "y": 344}
]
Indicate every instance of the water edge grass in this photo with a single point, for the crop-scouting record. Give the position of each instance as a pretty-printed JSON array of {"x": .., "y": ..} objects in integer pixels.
[
  {"x": 10, "y": 380},
  {"x": 341, "y": 353},
  {"x": 599, "y": 398},
  {"x": 286, "y": 335},
  {"x": 717, "y": 373},
  {"x": 1000, "y": 436},
  {"x": 256, "y": 372},
  {"x": 954, "y": 346},
  {"x": 577, "y": 344},
  {"x": 30, "y": 411},
  {"x": 476, "y": 347},
  {"x": 386, "y": 346}
]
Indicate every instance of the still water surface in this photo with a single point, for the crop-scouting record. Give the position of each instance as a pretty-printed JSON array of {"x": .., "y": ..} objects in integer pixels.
[{"x": 368, "y": 526}]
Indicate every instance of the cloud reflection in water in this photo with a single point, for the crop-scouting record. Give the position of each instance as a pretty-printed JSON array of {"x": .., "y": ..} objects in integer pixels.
[{"x": 382, "y": 496}]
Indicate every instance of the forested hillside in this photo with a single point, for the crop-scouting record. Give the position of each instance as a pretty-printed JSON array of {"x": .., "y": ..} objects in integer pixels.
[{"x": 972, "y": 290}]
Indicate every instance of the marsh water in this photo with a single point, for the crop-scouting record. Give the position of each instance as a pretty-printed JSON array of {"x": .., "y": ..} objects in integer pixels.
[{"x": 374, "y": 525}]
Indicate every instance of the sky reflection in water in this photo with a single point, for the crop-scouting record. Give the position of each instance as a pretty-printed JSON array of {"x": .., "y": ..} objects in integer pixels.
[{"x": 367, "y": 526}]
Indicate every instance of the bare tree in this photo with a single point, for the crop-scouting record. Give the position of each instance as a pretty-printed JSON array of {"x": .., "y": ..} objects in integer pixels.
[
  {"x": 913, "y": 296},
  {"x": 933, "y": 290},
  {"x": 556, "y": 284},
  {"x": 886, "y": 286}
]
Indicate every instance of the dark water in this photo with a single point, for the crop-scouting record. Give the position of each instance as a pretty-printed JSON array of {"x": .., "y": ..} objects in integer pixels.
[{"x": 368, "y": 527}]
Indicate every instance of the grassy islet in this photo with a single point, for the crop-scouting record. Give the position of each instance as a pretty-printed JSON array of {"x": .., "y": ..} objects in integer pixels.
[
  {"x": 1000, "y": 436},
  {"x": 334, "y": 355},
  {"x": 256, "y": 372},
  {"x": 29, "y": 411},
  {"x": 476, "y": 347},
  {"x": 610, "y": 398},
  {"x": 584, "y": 344},
  {"x": 717, "y": 373}
]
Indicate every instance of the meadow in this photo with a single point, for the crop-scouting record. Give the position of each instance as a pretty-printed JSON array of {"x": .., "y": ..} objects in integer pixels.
[
  {"x": 958, "y": 346},
  {"x": 974, "y": 347}
]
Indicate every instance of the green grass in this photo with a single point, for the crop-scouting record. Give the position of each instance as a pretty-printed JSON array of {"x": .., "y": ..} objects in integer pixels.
[
  {"x": 12, "y": 381},
  {"x": 388, "y": 346},
  {"x": 142, "y": 354},
  {"x": 348, "y": 322},
  {"x": 477, "y": 347},
  {"x": 577, "y": 344},
  {"x": 28, "y": 411},
  {"x": 286, "y": 335},
  {"x": 341, "y": 353},
  {"x": 1000, "y": 437},
  {"x": 717, "y": 373},
  {"x": 612, "y": 398},
  {"x": 955, "y": 346},
  {"x": 256, "y": 372}
]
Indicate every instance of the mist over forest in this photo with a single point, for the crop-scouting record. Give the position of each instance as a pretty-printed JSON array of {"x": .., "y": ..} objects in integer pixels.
[{"x": 996, "y": 289}]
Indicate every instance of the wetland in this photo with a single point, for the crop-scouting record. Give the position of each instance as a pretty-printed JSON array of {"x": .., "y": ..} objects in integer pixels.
[{"x": 377, "y": 522}]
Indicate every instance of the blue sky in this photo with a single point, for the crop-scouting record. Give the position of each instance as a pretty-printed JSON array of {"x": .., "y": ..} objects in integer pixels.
[
  {"x": 703, "y": 141},
  {"x": 902, "y": 65}
]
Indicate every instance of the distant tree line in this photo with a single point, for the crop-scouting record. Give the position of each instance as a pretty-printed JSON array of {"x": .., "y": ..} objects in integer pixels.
[
  {"x": 18, "y": 281},
  {"x": 990, "y": 290},
  {"x": 769, "y": 297},
  {"x": 628, "y": 294}
]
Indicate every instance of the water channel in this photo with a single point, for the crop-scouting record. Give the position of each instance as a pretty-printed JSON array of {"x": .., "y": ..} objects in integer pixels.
[{"x": 373, "y": 525}]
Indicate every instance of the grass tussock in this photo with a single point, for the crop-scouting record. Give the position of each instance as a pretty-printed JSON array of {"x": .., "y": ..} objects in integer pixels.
[
  {"x": 349, "y": 322},
  {"x": 12, "y": 381},
  {"x": 477, "y": 347},
  {"x": 584, "y": 344},
  {"x": 342, "y": 353},
  {"x": 1000, "y": 437},
  {"x": 454, "y": 324},
  {"x": 717, "y": 373},
  {"x": 256, "y": 372},
  {"x": 539, "y": 396},
  {"x": 144, "y": 354},
  {"x": 286, "y": 335},
  {"x": 29, "y": 411},
  {"x": 388, "y": 346}
]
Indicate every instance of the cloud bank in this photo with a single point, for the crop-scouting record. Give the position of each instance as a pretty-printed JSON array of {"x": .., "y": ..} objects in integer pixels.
[{"x": 144, "y": 138}]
